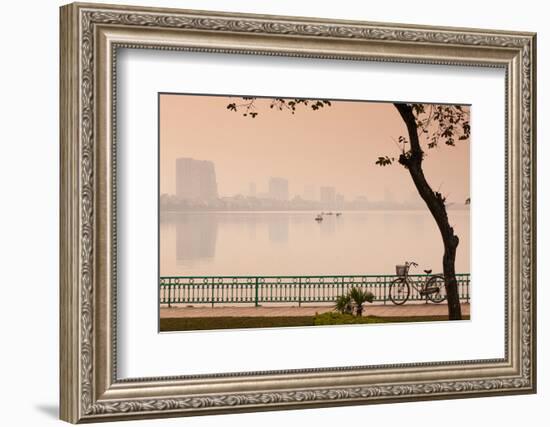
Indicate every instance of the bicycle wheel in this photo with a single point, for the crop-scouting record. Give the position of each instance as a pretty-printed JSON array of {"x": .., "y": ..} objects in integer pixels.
[
  {"x": 399, "y": 291},
  {"x": 436, "y": 289}
]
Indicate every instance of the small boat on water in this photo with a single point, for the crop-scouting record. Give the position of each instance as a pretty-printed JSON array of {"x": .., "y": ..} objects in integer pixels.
[{"x": 319, "y": 218}]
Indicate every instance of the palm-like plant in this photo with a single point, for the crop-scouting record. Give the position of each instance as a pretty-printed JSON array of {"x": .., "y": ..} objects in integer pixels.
[
  {"x": 359, "y": 298},
  {"x": 354, "y": 300},
  {"x": 344, "y": 304}
]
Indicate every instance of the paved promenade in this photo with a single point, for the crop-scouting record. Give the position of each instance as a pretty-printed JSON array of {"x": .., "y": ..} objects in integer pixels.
[{"x": 388, "y": 310}]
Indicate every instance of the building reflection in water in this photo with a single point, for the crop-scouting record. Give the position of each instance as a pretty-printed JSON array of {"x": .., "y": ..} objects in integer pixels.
[{"x": 196, "y": 237}]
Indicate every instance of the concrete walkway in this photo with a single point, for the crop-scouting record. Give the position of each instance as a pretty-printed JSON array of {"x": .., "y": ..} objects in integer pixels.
[{"x": 388, "y": 310}]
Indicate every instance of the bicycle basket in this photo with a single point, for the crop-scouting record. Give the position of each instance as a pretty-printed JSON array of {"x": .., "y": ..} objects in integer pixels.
[{"x": 401, "y": 270}]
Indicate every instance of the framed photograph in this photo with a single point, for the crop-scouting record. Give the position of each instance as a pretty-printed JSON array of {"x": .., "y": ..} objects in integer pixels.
[
  {"x": 270, "y": 225},
  {"x": 266, "y": 212}
]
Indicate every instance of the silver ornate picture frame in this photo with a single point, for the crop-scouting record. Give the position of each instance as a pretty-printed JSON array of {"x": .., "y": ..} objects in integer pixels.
[{"x": 90, "y": 387}]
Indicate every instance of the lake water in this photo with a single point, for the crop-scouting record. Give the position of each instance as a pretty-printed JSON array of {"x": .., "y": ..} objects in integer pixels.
[{"x": 293, "y": 243}]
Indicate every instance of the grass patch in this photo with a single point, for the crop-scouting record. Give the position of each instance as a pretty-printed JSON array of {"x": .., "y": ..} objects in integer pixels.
[
  {"x": 334, "y": 318},
  {"x": 330, "y": 318},
  {"x": 203, "y": 323},
  {"x": 403, "y": 319}
]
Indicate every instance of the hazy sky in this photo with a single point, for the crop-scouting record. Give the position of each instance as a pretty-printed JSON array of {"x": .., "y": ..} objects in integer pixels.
[{"x": 335, "y": 146}]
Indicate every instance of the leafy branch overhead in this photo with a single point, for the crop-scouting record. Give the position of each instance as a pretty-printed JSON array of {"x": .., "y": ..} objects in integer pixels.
[
  {"x": 385, "y": 161},
  {"x": 452, "y": 123},
  {"x": 248, "y": 105},
  {"x": 436, "y": 124}
]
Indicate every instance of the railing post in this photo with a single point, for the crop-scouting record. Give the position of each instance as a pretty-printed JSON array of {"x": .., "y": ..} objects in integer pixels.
[
  {"x": 385, "y": 289},
  {"x": 299, "y": 292},
  {"x": 212, "y": 292},
  {"x": 169, "y": 292},
  {"x": 256, "y": 296}
]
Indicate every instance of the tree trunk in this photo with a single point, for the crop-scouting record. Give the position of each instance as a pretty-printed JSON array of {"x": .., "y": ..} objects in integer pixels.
[{"x": 412, "y": 160}]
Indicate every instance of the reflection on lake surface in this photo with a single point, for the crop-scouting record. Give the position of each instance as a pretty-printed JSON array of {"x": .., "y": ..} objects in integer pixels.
[
  {"x": 293, "y": 243},
  {"x": 196, "y": 237}
]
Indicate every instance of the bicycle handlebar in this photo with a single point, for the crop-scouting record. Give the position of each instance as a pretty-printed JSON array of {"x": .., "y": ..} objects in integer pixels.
[{"x": 414, "y": 264}]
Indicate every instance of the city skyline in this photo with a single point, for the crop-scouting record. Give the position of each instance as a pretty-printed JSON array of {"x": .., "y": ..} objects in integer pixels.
[{"x": 196, "y": 180}]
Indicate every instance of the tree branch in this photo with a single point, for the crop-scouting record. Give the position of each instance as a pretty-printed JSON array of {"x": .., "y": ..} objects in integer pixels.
[{"x": 415, "y": 154}]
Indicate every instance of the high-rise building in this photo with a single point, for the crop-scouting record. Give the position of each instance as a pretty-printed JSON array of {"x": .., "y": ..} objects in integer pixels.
[
  {"x": 328, "y": 196},
  {"x": 278, "y": 189},
  {"x": 196, "y": 179}
]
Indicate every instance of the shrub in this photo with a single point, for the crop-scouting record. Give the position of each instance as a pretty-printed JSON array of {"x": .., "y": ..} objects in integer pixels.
[
  {"x": 359, "y": 298},
  {"x": 353, "y": 301},
  {"x": 344, "y": 304},
  {"x": 333, "y": 318}
]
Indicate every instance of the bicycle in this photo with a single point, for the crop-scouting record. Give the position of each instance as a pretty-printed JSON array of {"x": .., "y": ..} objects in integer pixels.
[{"x": 433, "y": 288}]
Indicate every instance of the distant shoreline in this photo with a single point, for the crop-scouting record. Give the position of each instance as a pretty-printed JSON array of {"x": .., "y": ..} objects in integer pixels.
[{"x": 203, "y": 210}]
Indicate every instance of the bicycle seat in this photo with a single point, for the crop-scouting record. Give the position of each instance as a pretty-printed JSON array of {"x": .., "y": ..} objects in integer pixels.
[{"x": 428, "y": 271}]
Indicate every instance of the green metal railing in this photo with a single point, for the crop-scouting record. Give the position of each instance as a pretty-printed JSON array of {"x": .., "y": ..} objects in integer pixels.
[{"x": 298, "y": 290}]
